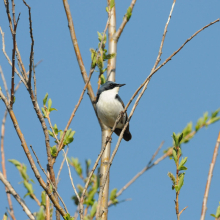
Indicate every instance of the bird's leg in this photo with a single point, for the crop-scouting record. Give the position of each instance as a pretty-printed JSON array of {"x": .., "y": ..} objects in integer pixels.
[{"x": 108, "y": 139}]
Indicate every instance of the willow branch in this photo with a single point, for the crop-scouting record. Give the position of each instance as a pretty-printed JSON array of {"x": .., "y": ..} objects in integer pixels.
[
  {"x": 124, "y": 22},
  {"x": 29, "y": 157},
  {"x": 210, "y": 174},
  {"x": 16, "y": 196}
]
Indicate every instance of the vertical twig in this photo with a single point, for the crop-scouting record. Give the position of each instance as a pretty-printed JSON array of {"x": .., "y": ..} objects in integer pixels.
[
  {"x": 13, "y": 61},
  {"x": 210, "y": 174},
  {"x": 4, "y": 82},
  {"x": 3, "y": 163},
  {"x": 177, "y": 180}
]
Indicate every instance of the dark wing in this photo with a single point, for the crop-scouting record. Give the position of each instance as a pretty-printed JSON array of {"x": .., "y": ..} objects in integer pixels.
[{"x": 119, "y": 99}]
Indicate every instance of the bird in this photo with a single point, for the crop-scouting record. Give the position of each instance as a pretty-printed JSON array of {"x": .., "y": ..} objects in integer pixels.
[{"x": 109, "y": 105}]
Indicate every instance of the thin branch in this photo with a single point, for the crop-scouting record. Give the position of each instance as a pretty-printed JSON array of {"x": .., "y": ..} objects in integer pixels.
[
  {"x": 124, "y": 22},
  {"x": 149, "y": 165},
  {"x": 9, "y": 61},
  {"x": 29, "y": 157},
  {"x": 13, "y": 59},
  {"x": 48, "y": 178},
  {"x": 4, "y": 82},
  {"x": 71, "y": 179},
  {"x": 210, "y": 174},
  {"x": 3, "y": 163},
  {"x": 32, "y": 45},
  {"x": 183, "y": 210},
  {"x": 61, "y": 167},
  {"x": 17, "y": 197}
]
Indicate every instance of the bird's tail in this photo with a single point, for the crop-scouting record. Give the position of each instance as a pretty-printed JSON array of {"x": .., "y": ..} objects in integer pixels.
[{"x": 126, "y": 136}]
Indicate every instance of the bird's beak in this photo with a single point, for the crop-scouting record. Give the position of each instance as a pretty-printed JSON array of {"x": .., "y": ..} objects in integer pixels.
[{"x": 120, "y": 85}]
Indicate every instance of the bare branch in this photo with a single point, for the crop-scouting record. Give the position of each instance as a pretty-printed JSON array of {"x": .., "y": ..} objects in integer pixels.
[
  {"x": 17, "y": 197},
  {"x": 4, "y": 82},
  {"x": 210, "y": 174},
  {"x": 183, "y": 210},
  {"x": 13, "y": 57},
  {"x": 3, "y": 164},
  {"x": 32, "y": 45}
]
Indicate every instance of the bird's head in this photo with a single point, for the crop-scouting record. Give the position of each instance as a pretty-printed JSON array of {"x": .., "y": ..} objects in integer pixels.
[{"x": 111, "y": 86}]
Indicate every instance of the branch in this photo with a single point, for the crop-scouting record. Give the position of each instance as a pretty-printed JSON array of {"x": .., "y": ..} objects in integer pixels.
[
  {"x": 54, "y": 188},
  {"x": 13, "y": 57},
  {"x": 32, "y": 44},
  {"x": 4, "y": 82},
  {"x": 3, "y": 164},
  {"x": 17, "y": 197},
  {"x": 29, "y": 157},
  {"x": 124, "y": 22},
  {"x": 210, "y": 174}
]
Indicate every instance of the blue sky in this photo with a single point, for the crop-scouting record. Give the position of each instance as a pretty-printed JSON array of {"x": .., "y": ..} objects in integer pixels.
[{"x": 179, "y": 93}]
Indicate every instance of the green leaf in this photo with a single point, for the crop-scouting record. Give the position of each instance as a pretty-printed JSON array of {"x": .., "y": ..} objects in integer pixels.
[
  {"x": 180, "y": 138},
  {"x": 100, "y": 63},
  {"x": 68, "y": 217},
  {"x": 93, "y": 210},
  {"x": 174, "y": 155},
  {"x": 213, "y": 215},
  {"x": 129, "y": 13},
  {"x": 106, "y": 9},
  {"x": 183, "y": 168},
  {"x": 218, "y": 211},
  {"x": 44, "y": 112},
  {"x": 181, "y": 182},
  {"x": 213, "y": 120},
  {"x": 113, "y": 194},
  {"x": 53, "y": 151},
  {"x": 49, "y": 104},
  {"x": 108, "y": 56},
  {"x": 53, "y": 109},
  {"x": 103, "y": 80},
  {"x": 199, "y": 124},
  {"x": 175, "y": 139},
  {"x": 112, "y": 4},
  {"x": 45, "y": 99},
  {"x": 215, "y": 113},
  {"x": 99, "y": 36},
  {"x": 50, "y": 133},
  {"x": 172, "y": 177},
  {"x": 15, "y": 162},
  {"x": 40, "y": 214},
  {"x": 28, "y": 186},
  {"x": 71, "y": 134},
  {"x": 205, "y": 117},
  {"x": 93, "y": 57},
  {"x": 183, "y": 161},
  {"x": 43, "y": 198}
]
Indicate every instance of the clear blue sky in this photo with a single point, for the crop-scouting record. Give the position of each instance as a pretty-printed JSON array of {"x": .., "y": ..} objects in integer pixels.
[{"x": 179, "y": 93}]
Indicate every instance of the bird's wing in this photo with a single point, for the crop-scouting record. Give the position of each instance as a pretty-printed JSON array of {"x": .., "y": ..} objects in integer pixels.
[{"x": 119, "y": 99}]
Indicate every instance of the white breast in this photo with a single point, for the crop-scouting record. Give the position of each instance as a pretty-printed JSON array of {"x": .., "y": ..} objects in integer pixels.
[{"x": 108, "y": 108}]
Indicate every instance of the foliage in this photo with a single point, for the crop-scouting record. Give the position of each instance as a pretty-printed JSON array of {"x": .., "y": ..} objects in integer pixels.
[{"x": 217, "y": 215}]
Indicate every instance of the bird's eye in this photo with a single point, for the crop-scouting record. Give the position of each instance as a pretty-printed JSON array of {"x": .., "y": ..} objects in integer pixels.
[{"x": 112, "y": 85}]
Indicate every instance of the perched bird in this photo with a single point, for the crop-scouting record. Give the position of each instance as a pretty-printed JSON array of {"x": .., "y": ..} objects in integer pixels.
[{"x": 109, "y": 105}]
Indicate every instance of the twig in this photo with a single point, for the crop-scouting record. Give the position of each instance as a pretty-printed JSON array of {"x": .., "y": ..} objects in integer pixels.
[
  {"x": 48, "y": 177},
  {"x": 123, "y": 200},
  {"x": 4, "y": 82},
  {"x": 9, "y": 61},
  {"x": 177, "y": 181},
  {"x": 35, "y": 199},
  {"x": 149, "y": 165},
  {"x": 51, "y": 127},
  {"x": 47, "y": 207},
  {"x": 13, "y": 58},
  {"x": 35, "y": 79},
  {"x": 124, "y": 22},
  {"x": 17, "y": 197},
  {"x": 71, "y": 179},
  {"x": 32, "y": 45},
  {"x": 183, "y": 210},
  {"x": 29, "y": 157},
  {"x": 61, "y": 167},
  {"x": 210, "y": 174},
  {"x": 3, "y": 163}
]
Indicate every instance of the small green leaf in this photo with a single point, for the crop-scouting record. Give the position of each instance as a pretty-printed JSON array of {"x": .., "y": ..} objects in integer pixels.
[
  {"x": 49, "y": 104},
  {"x": 180, "y": 138},
  {"x": 199, "y": 124},
  {"x": 215, "y": 113},
  {"x": 44, "y": 112},
  {"x": 175, "y": 139},
  {"x": 205, "y": 117},
  {"x": 213, "y": 215},
  {"x": 180, "y": 183},
  {"x": 218, "y": 211},
  {"x": 183, "y": 161},
  {"x": 43, "y": 198},
  {"x": 174, "y": 155},
  {"x": 103, "y": 80},
  {"x": 183, "y": 168},
  {"x": 93, "y": 210},
  {"x": 40, "y": 214},
  {"x": 172, "y": 177},
  {"x": 50, "y": 133},
  {"x": 106, "y": 9},
  {"x": 129, "y": 13},
  {"x": 93, "y": 57},
  {"x": 15, "y": 162},
  {"x": 213, "y": 120},
  {"x": 99, "y": 36},
  {"x": 113, "y": 194},
  {"x": 108, "y": 56},
  {"x": 112, "y": 4},
  {"x": 52, "y": 109},
  {"x": 28, "y": 186},
  {"x": 45, "y": 99},
  {"x": 53, "y": 151}
]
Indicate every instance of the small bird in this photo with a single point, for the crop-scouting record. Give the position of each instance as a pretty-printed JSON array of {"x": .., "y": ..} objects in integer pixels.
[{"x": 109, "y": 105}]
